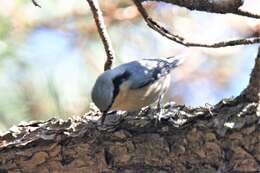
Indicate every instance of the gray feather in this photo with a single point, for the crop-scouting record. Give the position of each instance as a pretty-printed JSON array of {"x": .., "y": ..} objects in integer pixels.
[
  {"x": 147, "y": 71},
  {"x": 136, "y": 73}
]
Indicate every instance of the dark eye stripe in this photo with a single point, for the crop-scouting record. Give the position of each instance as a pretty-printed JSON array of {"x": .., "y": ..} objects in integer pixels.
[{"x": 117, "y": 81}]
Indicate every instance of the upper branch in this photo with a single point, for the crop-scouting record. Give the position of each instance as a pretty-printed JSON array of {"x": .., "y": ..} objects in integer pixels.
[
  {"x": 36, "y": 3},
  {"x": 97, "y": 14},
  {"x": 213, "y": 6},
  {"x": 164, "y": 32}
]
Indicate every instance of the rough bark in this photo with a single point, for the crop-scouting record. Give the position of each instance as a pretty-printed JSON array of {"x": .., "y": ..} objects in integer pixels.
[
  {"x": 225, "y": 138},
  {"x": 221, "y": 138},
  {"x": 215, "y": 6},
  {"x": 252, "y": 92},
  {"x": 212, "y": 6}
]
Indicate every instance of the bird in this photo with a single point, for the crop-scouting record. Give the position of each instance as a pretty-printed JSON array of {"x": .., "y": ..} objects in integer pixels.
[{"x": 133, "y": 85}]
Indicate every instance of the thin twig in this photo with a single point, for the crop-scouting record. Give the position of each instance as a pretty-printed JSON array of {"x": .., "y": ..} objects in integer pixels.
[
  {"x": 97, "y": 14},
  {"x": 36, "y": 3},
  {"x": 164, "y": 32},
  {"x": 247, "y": 14}
]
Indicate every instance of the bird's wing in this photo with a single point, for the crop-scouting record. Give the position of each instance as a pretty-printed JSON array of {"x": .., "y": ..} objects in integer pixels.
[{"x": 145, "y": 72}]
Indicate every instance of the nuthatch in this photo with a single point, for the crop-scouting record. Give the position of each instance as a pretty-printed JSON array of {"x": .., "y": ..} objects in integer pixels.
[{"x": 134, "y": 85}]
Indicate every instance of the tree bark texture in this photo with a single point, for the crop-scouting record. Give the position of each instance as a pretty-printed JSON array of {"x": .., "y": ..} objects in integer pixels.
[
  {"x": 217, "y": 139},
  {"x": 252, "y": 92},
  {"x": 215, "y": 6}
]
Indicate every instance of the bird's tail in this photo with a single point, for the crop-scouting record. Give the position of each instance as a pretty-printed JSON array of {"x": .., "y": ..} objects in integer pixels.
[{"x": 175, "y": 61}]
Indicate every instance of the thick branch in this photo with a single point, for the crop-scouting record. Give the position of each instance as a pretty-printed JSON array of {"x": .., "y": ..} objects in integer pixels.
[
  {"x": 221, "y": 138},
  {"x": 174, "y": 37},
  {"x": 191, "y": 140},
  {"x": 252, "y": 92},
  {"x": 213, "y": 6},
  {"x": 97, "y": 14}
]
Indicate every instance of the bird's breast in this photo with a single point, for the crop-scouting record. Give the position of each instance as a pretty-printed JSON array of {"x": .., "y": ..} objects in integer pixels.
[{"x": 134, "y": 99}]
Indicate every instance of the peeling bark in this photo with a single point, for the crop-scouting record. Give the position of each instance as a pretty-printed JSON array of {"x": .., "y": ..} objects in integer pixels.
[
  {"x": 187, "y": 140},
  {"x": 222, "y": 138}
]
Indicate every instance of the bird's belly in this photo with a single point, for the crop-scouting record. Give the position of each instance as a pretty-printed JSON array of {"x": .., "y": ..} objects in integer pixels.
[{"x": 133, "y": 100}]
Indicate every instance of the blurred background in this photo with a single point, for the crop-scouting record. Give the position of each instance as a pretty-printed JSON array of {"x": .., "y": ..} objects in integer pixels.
[{"x": 51, "y": 56}]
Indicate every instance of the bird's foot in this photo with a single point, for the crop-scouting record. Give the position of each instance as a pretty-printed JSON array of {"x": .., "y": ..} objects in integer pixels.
[
  {"x": 158, "y": 116},
  {"x": 144, "y": 111}
]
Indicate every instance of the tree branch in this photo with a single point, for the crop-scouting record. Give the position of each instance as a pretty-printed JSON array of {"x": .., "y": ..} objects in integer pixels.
[
  {"x": 188, "y": 140},
  {"x": 252, "y": 92},
  {"x": 36, "y": 3},
  {"x": 97, "y": 14},
  {"x": 174, "y": 37},
  {"x": 247, "y": 14},
  {"x": 212, "y": 6}
]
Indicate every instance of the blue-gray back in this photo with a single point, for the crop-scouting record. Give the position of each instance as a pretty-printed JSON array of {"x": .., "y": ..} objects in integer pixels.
[{"x": 146, "y": 71}]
